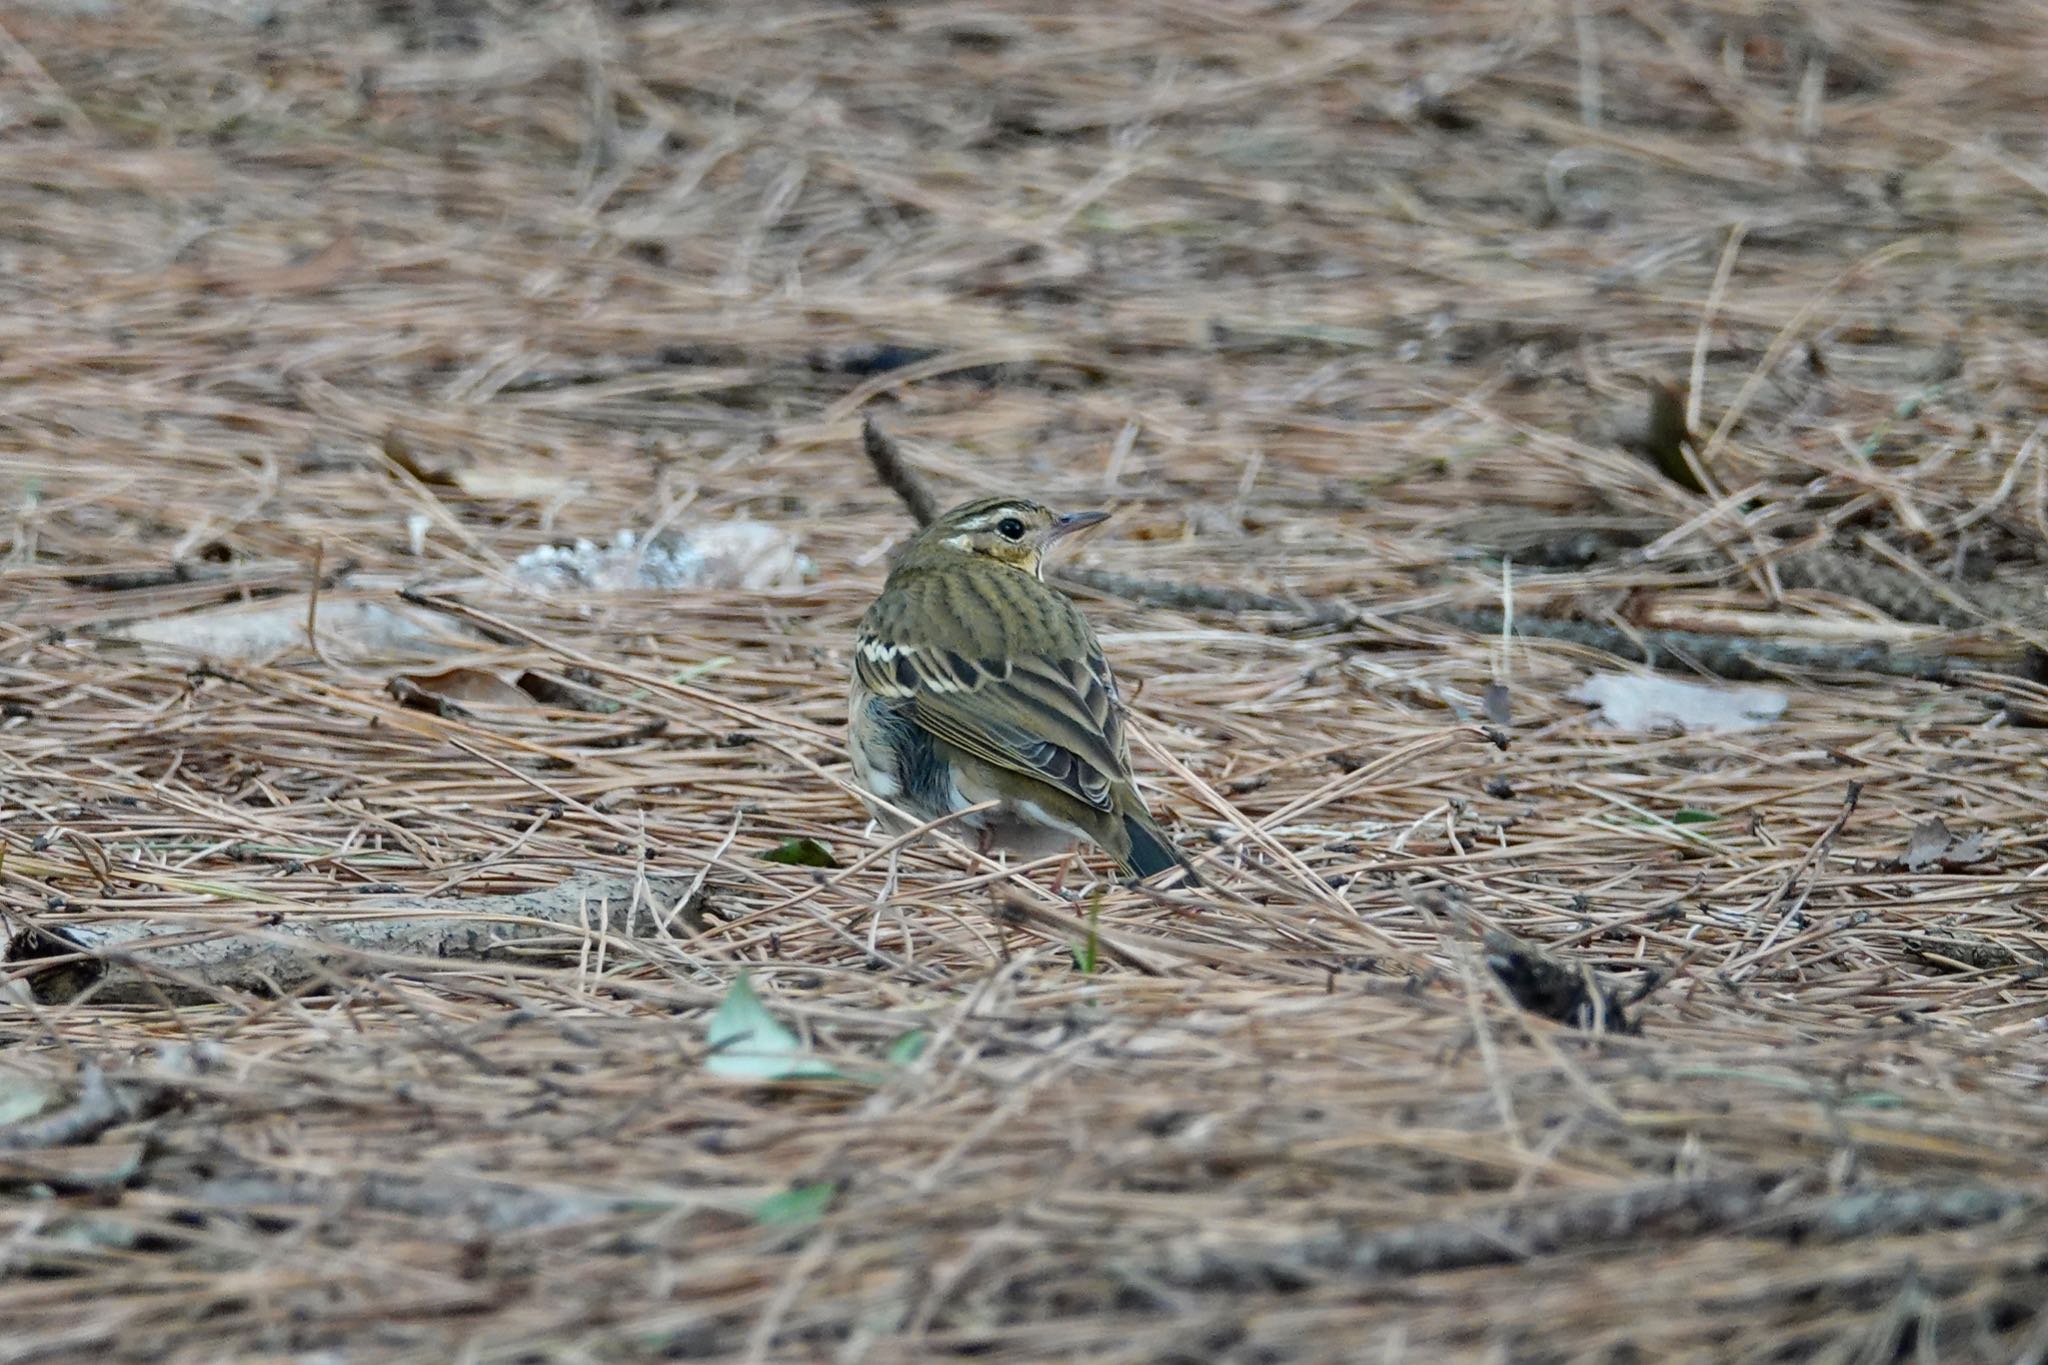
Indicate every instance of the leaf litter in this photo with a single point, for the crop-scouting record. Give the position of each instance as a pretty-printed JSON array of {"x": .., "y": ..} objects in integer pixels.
[{"x": 1298, "y": 294}]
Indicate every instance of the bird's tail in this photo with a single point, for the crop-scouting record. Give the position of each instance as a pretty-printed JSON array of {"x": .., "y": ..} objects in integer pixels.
[{"x": 1151, "y": 853}]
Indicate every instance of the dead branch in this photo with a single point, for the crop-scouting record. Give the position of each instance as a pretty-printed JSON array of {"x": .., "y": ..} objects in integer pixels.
[
  {"x": 99, "y": 1106},
  {"x": 259, "y": 579},
  {"x": 1737, "y": 657},
  {"x": 148, "y": 961},
  {"x": 1966, "y": 952},
  {"x": 1522, "y": 1232},
  {"x": 493, "y": 1206},
  {"x": 105, "y": 1102}
]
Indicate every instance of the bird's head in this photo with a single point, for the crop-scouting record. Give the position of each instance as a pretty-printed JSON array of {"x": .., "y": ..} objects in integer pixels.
[{"x": 1012, "y": 531}]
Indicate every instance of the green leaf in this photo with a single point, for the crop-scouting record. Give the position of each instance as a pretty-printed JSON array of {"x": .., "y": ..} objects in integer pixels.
[
  {"x": 1874, "y": 1099},
  {"x": 1689, "y": 816},
  {"x": 1088, "y": 953},
  {"x": 797, "y": 1205},
  {"x": 801, "y": 853},
  {"x": 908, "y": 1048},
  {"x": 748, "y": 1044},
  {"x": 23, "y": 1097}
]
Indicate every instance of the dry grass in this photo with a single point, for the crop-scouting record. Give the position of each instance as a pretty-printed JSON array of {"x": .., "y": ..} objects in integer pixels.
[{"x": 1302, "y": 289}]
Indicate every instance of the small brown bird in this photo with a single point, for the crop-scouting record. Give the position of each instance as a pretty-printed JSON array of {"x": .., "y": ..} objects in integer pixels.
[{"x": 974, "y": 680}]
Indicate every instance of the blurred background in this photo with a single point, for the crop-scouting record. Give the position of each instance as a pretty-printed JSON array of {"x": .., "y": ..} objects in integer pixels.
[{"x": 575, "y": 266}]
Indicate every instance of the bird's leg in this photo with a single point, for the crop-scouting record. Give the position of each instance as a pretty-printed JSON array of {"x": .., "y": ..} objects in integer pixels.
[
  {"x": 984, "y": 844},
  {"x": 888, "y": 891},
  {"x": 882, "y": 900},
  {"x": 1059, "y": 876}
]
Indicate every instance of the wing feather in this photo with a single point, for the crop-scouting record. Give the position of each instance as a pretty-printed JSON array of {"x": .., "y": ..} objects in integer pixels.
[{"x": 1042, "y": 704}]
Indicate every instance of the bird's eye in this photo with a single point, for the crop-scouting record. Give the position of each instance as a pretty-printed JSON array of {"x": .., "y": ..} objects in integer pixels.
[{"x": 1010, "y": 528}]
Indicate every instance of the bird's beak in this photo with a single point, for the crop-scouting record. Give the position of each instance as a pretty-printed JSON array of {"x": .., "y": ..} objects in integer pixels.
[{"x": 1075, "y": 521}]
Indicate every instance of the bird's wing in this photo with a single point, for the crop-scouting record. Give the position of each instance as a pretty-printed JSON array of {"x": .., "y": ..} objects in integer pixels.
[{"x": 1045, "y": 707}]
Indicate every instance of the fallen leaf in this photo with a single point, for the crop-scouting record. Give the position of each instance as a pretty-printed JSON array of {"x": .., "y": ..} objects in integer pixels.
[
  {"x": 470, "y": 686},
  {"x": 86, "y": 1233},
  {"x": 1496, "y": 703},
  {"x": 1965, "y": 851},
  {"x": 1925, "y": 845},
  {"x": 514, "y": 485},
  {"x": 748, "y": 1044},
  {"x": 23, "y": 1097},
  {"x": 1931, "y": 845},
  {"x": 907, "y": 1048},
  {"x": 566, "y": 693},
  {"x": 350, "y": 625},
  {"x": 1644, "y": 702},
  {"x": 94, "y": 1165},
  {"x": 801, "y": 853},
  {"x": 796, "y": 1206},
  {"x": 399, "y": 451},
  {"x": 1663, "y": 437}
]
